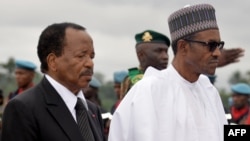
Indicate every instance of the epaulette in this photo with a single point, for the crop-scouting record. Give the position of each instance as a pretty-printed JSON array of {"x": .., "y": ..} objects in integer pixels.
[{"x": 135, "y": 75}]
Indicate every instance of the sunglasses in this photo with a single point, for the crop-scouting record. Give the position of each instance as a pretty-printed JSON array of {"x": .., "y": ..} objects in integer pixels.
[{"x": 212, "y": 44}]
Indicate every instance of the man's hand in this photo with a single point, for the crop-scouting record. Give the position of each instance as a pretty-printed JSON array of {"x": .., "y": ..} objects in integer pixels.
[{"x": 229, "y": 56}]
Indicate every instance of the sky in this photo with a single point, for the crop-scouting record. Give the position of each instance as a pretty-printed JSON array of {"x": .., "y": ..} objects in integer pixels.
[{"x": 113, "y": 25}]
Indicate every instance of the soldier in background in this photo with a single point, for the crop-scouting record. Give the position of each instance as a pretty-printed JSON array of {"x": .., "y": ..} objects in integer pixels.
[
  {"x": 24, "y": 75},
  {"x": 240, "y": 109},
  {"x": 119, "y": 76},
  {"x": 91, "y": 93},
  {"x": 151, "y": 50}
]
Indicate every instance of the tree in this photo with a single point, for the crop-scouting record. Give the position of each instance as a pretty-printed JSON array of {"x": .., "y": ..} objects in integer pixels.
[
  {"x": 9, "y": 66},
  {"x": 224, "y": 97},
  {"x": 239, "y": 77},
  {"x": 99, "y": 76},
  {"x": 7, "y": 80},
  {"x": 107, "y": 95}
]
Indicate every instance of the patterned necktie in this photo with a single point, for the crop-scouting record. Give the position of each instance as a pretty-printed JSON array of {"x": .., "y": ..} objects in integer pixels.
[{"x": 82, "y": 121}]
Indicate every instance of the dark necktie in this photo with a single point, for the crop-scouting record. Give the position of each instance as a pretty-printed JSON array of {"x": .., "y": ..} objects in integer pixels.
[{"x": 82, "y": 121}]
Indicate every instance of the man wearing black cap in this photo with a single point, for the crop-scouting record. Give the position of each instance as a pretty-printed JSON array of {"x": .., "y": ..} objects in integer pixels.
[
  {"x": 152, "y": 50},
  {"x": 175, "y": 104},
  {"x": 24, "y": 74}
]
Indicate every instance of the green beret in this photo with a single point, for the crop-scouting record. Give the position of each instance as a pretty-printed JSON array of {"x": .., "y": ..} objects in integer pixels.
[{"x": 150, "y": 36}]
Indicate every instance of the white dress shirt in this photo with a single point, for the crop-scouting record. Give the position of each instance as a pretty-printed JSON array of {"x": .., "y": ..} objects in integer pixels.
[{"x": 68, "y": 97}]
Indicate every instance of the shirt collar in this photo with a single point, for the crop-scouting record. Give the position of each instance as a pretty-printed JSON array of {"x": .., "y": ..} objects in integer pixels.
[{"x": 68, "y": 97}]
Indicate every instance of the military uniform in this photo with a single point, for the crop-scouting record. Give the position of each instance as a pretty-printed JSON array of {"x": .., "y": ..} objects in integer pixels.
[{"x": 136, "y": 73}]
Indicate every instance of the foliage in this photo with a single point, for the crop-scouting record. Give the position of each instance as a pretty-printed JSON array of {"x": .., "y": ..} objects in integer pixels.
[
  {"x": 106, "y": 91},
  {"x": 107, "y": 95},
  {"x": 9, "y": 66},
  {"x": 240, "y": 77},
  {"x": 224, "y": 97},
  {"x": 236, "y": 77}
]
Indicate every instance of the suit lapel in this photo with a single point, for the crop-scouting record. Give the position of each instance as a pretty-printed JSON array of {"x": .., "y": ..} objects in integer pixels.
[{"x": 60, "y": 112}]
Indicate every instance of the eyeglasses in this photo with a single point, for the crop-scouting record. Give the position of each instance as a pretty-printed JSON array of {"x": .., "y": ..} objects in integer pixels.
[{"x": 212, "y": 44}]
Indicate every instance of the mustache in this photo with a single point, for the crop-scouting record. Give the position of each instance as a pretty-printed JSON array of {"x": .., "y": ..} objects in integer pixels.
[
  {"x": 87, "y": 72},
  {"x": 214, "y": 61}
]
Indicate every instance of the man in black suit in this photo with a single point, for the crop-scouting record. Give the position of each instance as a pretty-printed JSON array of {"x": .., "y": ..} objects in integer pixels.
[{"x": 46, "y": 112}]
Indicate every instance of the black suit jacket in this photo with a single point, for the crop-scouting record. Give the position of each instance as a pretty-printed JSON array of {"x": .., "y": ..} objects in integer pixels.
[{"x": 40, "y": 114}]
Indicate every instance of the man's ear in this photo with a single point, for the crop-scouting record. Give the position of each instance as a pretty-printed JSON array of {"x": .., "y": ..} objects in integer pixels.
[
  {"x": 139, "y": 52},
  {"x": 51, "y": 60},
  {"x": 182, "y": 46},
  {"x": 140, "y": 55}
]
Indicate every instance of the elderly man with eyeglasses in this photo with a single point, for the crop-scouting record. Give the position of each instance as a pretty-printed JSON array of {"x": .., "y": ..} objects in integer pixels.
[{"x": 178, "y": 103}]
